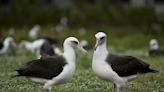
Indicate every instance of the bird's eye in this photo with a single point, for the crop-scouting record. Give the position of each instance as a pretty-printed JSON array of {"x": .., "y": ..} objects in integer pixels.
[
  {"x": 74, "y": 42},
  {"x": 102, "y": 38}
]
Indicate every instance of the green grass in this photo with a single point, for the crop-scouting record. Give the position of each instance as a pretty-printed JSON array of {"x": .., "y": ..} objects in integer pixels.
[{"x": 84, "y": 80}]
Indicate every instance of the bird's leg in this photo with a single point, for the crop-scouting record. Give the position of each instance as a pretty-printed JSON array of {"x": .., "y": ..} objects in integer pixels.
[
  {"x": 120, "y": 89},
  {"x": 47, "y": 90},
  {"x": 115, "y": 88},
  {"x": 48, "y": 86}
]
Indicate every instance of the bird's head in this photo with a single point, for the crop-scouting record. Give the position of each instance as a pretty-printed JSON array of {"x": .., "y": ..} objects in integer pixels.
[
  {"x": 154, "y": 44},
  {"x": 74, "y": 42},
  {"x": 100, "y": 39}
]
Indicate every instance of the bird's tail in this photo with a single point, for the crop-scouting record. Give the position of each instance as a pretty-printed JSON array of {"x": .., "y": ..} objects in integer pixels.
[
  {"x": 153, "y": 71},
  {"x": 16, "y": 75}
]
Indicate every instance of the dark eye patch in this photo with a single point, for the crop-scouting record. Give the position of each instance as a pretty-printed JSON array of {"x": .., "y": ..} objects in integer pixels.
[
  {"x": 75, "y": 42},
  {"x": 102, "y": 38}
]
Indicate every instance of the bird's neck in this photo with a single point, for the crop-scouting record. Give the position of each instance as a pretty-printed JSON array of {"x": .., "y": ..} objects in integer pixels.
[
  {"x": 69, "y": 54},
  {"x": 6, "y": 43},
  {"x": 101, "y": 52}
]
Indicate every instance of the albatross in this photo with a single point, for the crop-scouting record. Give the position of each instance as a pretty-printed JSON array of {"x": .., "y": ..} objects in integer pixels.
[
  {"x": 154, "y": 48},
  {"x": 5, "y": 44},
  {"x": 53, "y": 70},
  {"x": 40, "y": 47},
  {"x": 117, "y": 69},
  {"x": 32, "y": 46},
  {"x": 34, "y": 32}
]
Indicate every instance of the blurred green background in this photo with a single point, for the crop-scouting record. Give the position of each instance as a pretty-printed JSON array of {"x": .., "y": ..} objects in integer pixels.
[
  {"x": 18, "y": 13},
  {"x": 120, "y": 18}
]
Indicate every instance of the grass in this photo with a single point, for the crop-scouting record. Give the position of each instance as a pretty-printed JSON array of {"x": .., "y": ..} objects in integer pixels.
[{"x": 84, "y": 79}]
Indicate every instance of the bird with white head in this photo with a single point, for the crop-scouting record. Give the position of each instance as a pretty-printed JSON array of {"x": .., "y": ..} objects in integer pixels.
[
  {"x": 5, "y": 44},
  {"x": 115, "y": 68},
  {"x": 53, "y": 70}
]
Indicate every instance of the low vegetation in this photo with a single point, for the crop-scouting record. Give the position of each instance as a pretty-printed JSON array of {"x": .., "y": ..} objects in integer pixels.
[{"x": 128, "y": 42}]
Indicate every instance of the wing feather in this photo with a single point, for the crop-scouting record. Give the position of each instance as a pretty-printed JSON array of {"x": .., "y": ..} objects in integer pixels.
[
  {"x": 126, "y": 65},
  {"x": 48, "y": 67}
]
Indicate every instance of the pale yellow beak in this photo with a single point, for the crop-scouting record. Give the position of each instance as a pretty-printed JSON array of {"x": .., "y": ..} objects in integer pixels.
[
  {"x": 82, "y": 49},
  {"x": 96, "y": 45}
]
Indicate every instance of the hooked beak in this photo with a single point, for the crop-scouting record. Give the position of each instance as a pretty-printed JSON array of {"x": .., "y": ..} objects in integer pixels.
[
  {"x": 96, "y": 45},
  {"x": 82, "y": 49}
]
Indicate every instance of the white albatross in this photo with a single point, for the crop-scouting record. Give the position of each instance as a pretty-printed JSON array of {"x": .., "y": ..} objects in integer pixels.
[
  {"x": 33, "y": 33},
  {"x": 154, "y": 48},
  {"x": 4, "y": 46},
  {"x": 39, "y": 47},
  {"x": 53, "y": 70},
  {"x": 117, "y": 69}
]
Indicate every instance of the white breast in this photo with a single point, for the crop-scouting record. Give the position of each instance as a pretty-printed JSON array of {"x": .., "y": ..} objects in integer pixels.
[
  {"x": 102, "y": 69},
  {"x": 69, "y": 69},
  {"x": 65, "y": 75}
]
